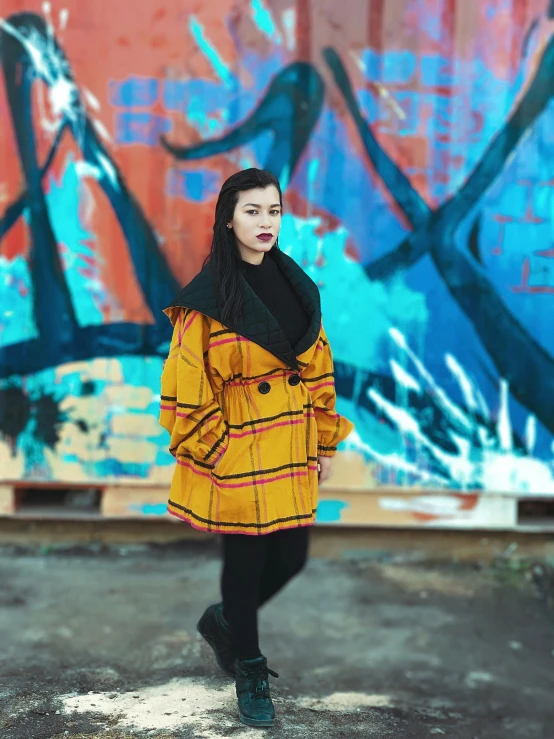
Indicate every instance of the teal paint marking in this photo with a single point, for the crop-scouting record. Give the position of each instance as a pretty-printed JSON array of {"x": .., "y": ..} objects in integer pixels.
[
  {"x": 65, "y": 204},
  {"x": 329, "y": 511},
  {"x": 16, "y": 319},
  {"x": 344, "y": 288},
  {"x": 263, "y": 19},
  {"x": 284, "y": 178},
  {"x": 150, "y": 509},
  {"x": 313, "y": 169},
  {"x": 221, "y": 69}
]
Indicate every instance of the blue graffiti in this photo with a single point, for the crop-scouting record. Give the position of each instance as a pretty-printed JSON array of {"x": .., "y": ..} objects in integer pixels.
[
  {"x": 135, "y": 92},
  {"x": 140, "y": 128},
  {"x": 192, "y": 185}
]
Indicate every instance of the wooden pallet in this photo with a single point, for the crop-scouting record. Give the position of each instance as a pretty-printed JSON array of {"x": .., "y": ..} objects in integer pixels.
[{"x": 380, "y": 507}]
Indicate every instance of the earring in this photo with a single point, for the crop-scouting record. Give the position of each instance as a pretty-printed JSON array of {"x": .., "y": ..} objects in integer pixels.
[{"x": 229, "y": 225}]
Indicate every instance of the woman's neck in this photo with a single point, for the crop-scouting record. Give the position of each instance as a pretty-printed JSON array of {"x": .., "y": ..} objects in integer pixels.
[
  {"x": 254, "y": 261},
  {"x": 251, "y": 256}
]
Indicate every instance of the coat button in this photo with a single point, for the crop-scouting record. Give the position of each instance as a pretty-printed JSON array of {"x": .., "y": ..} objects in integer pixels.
[
  {"x": 264, "y": 387},
  {"x": 294, "y": 380}
]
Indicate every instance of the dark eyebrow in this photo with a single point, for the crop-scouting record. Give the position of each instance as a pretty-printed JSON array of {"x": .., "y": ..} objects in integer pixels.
[{"x": 275, "y": 205}]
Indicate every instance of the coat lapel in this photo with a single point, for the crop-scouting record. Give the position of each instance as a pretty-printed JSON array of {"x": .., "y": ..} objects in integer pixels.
[{"x": 257, "y": 323}]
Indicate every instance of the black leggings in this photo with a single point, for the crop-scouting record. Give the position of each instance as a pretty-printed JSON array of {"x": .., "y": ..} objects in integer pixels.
[{"x": 255, "y": 568}]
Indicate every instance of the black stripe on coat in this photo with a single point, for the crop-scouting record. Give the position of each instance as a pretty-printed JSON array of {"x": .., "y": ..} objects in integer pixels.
[
  {"x": 258, "y": 526},
  {"x": 315, "y": 379},
  {"x": 269, "y": 418},
  {"x": 289, "y": 466},
  {"x": 187, "y": 455},
  {"x": 216, "y": 445}
]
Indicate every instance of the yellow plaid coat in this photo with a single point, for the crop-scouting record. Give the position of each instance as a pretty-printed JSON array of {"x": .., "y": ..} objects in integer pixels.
[{"x": 247, "y": 413}]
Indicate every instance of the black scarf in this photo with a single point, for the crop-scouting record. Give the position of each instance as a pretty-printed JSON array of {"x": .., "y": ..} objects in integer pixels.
[{"x": 256, "y": 322}]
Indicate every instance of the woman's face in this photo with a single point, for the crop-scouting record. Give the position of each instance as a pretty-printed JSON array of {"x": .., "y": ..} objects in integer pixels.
[{"x": 256, "y": 222}]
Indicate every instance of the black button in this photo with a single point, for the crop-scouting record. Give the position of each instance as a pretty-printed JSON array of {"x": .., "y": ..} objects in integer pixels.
[
  {"x": 294, "y": 380},
  {"x": 264, "y": 387}
]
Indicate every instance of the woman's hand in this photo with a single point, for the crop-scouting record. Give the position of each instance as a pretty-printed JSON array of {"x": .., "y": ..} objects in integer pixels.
[{"x": 324, "y": 464}]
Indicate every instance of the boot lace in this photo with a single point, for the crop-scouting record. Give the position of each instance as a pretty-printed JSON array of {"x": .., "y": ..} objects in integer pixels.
[{"x": 259, "y": 681}]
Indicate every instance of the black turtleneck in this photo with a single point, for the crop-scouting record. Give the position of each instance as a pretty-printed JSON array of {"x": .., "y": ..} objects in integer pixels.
[{"x": 279, "y": 297}]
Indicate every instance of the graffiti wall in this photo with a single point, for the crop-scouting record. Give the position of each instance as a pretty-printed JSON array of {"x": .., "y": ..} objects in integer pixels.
[{"x": 414, "y": 142}]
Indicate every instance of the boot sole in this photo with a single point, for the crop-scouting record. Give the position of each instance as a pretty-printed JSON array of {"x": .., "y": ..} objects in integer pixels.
[
  {"x": 207, "y": 638},
  {"x": 256, "y": 722}
]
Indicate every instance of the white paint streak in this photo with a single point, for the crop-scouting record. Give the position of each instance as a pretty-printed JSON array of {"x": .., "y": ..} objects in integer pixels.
[
  {"x": 432, "y": 505},
  {"x": 530, "y": 434},
  {"x": 442, "y": 399},
  {"x": 504, "y": 426},
  {"x": 91, "y": 99},
  {"x": 88, "y": 205},
  {"x": 51, "y": 67},
  {"x": 108, "y": 169},
  {"x": 355, "y": 443},
  {"x": 483, "y": 404},
  {"x": 86, "y": 169},
  {"x": 47, "y": 8},
  {"x": 494, "y": 466},
  {"x": 404, "y": 378},
  {"x": 459, "y": 467},
  {"x": 288, "y": 18},
  {"x": 463, "y": 381},
  {"x": 31, "y": 49},
  {"x": 357, "y": 60},
  {"x": 401, "y": 417},
  {"x": 391, "y": 102},
  {"x": 62, "y": 97},
  {"x": 64, "y": 16},
  {"x": 102, "y": 130}
]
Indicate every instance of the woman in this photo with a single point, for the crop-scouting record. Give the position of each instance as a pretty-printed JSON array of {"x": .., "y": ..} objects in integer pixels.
[{"x": 248, "y": 398}]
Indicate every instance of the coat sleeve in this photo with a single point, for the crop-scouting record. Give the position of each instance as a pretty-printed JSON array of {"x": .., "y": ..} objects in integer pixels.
[
  {"x": 319, "y": 378},
  {"x": 188, "y": 408}
]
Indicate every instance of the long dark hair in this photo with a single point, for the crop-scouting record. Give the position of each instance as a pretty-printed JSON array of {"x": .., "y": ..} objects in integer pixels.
[{"x": 224, "y": 257}]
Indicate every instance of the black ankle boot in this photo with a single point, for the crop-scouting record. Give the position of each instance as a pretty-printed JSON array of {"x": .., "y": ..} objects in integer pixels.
[
  {"x": 215, "y": 630},
  {"x": 254, "y": 698}
]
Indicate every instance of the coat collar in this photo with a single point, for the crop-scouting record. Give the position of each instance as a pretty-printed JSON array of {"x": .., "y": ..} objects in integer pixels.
[{"x": 257, "y": 322}]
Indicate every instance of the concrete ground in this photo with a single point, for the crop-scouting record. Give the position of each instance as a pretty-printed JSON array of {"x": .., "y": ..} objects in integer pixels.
[{"x": 99, "y": 640}]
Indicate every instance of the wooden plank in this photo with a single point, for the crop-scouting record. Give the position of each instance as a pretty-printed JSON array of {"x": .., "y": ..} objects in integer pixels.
[
  {"x": 7, "y": 500},
  {"x": 377, "y": 508},
  {"x": 417, "y": 510}
]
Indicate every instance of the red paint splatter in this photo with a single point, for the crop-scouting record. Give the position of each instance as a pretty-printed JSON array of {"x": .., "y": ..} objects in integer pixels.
[
  {"x": 352, "y": 251},
  {"x": 525, "y": 287}
]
